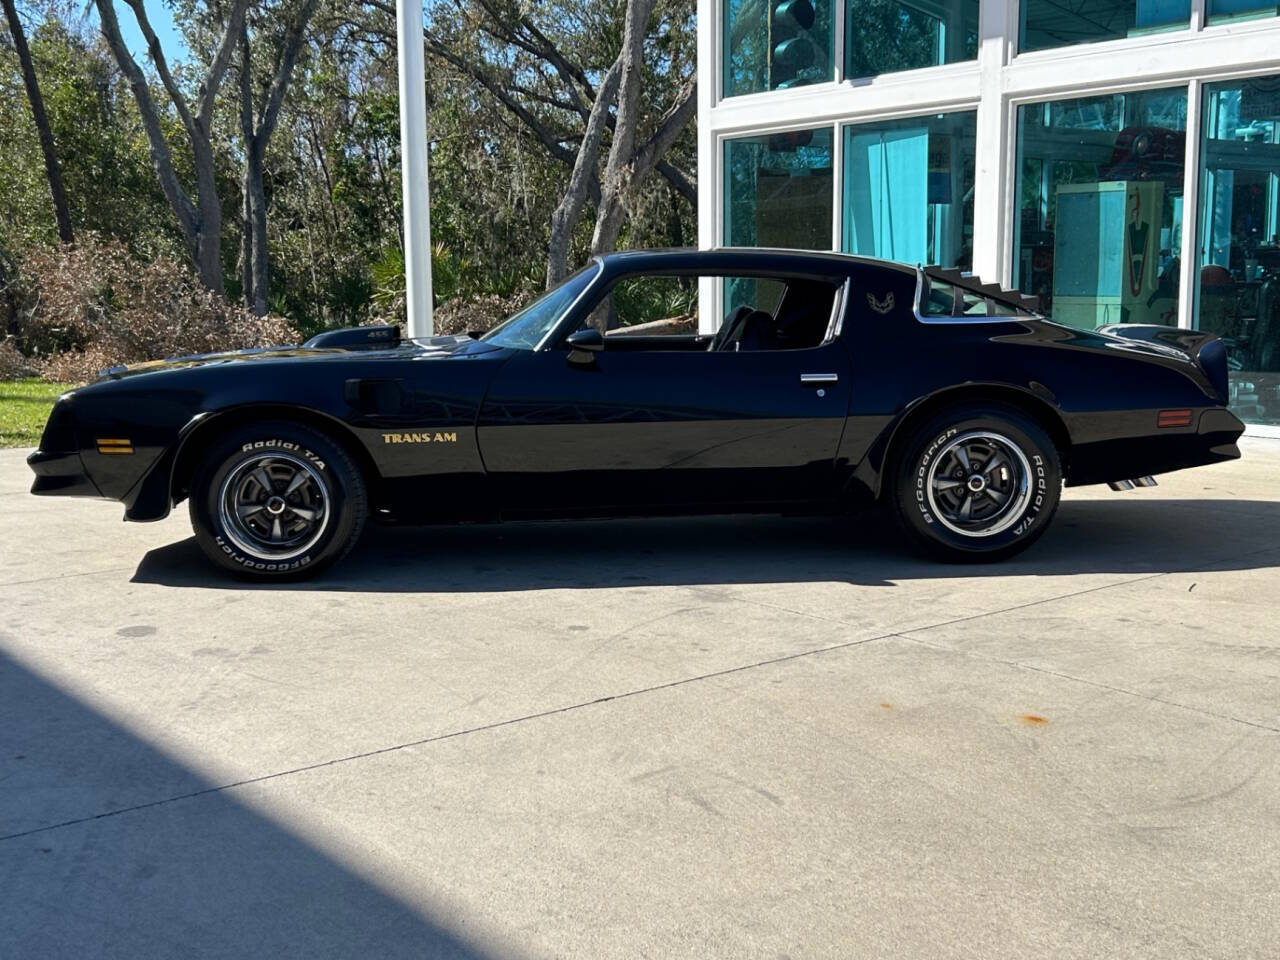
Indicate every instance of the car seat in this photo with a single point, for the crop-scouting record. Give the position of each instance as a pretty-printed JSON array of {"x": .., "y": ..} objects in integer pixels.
[
  {"x": 736, "y": 326},
  {"x": 759, "y": 332}
]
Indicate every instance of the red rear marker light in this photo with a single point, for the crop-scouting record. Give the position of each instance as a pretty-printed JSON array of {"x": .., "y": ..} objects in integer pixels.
[{"x": 1174, "y": 418}]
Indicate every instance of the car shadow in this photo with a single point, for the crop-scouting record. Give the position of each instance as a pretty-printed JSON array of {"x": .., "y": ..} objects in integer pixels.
[
  {"x": 112, "y": 847},
  {"x": 1127, "y": 535}
]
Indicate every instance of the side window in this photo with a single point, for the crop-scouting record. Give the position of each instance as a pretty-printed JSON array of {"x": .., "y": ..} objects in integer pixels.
[
  {"x": 942, "y": 300},
  {"x": 770, "y": 313},
  {"x": 760, "y": 313},
  {"x": 949, "y": 300},
  {"x": 973, "y": 305},
  {"x": 649, "y": 306},
  {"x": 757, "y": 293}
]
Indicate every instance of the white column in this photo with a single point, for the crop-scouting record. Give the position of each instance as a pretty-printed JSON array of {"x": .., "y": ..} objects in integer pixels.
[
  {"x": 1189, "y": 278},
  {"x": 413, "y": 167},
  {"x": 993, "y": 166},
  {"x": 709, "y": 202}
]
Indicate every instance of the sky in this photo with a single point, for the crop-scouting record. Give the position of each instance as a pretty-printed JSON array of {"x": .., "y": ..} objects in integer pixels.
[{"x": 161, "y": 18}]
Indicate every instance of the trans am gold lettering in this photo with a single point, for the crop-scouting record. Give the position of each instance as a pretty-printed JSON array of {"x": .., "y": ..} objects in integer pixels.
[{"x": 437, "y": 436}]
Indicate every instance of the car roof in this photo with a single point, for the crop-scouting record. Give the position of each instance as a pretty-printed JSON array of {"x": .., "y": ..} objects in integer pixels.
[
  {"x": 743, "y": 258},
  {"x": 784, "y": 261}
]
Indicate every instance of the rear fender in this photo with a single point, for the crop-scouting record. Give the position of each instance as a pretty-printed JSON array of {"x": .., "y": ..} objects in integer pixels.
[
  {"x": 1205, "y": 350},
  {"x": 1040, "y": 406}
]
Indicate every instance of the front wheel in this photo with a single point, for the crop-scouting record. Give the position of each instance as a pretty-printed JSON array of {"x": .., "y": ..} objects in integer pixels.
[
  {"x": 277, "y": 501},
  {"x": 977, "y": 483}
]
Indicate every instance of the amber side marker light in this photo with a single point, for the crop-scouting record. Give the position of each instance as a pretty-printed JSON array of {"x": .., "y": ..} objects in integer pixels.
[
  {"x": 115, "y": 446},
  {"x": 1174, "y": 418}
]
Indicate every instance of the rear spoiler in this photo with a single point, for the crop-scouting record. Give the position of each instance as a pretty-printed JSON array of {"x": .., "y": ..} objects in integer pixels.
[
  {"x": 358, "y": 338},
  {"x": 1205, "y": 350},
  {"x": 993, "y": 291}
]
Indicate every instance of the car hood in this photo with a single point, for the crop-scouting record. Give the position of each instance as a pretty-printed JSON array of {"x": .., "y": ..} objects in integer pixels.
[{"x": 426, "y": 348}]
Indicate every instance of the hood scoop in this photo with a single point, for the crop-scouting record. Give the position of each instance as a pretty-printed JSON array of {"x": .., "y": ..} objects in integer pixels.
[{"x": 357, "y": 338}]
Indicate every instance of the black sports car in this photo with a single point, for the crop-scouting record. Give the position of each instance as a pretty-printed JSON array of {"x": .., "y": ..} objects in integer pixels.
[{"x": 831, "y": 379}]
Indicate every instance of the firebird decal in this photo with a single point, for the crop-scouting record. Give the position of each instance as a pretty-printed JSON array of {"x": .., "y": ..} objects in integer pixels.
[{"x": 880, "y": 306}]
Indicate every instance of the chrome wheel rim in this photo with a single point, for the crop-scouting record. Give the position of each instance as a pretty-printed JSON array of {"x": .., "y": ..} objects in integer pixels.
[
  {"x": 274, "y": 506},
  {"x": 979, "y": 484}
]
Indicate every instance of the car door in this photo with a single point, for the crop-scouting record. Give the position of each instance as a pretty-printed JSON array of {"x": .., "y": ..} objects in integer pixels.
[{"x": 626, "y": 427}]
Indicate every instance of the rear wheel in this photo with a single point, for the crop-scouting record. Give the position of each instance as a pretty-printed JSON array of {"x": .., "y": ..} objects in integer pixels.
[
  {"x": 277, "y": 501},
  {"x": 977, "y": 483}
]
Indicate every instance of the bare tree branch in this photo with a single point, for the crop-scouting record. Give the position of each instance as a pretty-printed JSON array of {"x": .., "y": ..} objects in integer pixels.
[
  {"x": 246, "y": 192},
  {"x": 670, "y": 126},
  {"x": 208, "y": 92},
  {"x": 256, "y": 139},
  {"x": 162, "y": 67},
  {"x": 53, "y": 170},
  {"x": 270, "y": 114},
  {"x": 679, "y": 180},
  {"x": 161, "y": 158},
  {"x": 550, "y": 139},
  {"x": 615, "y": 182},
  {"x": 584, "y": 171}
]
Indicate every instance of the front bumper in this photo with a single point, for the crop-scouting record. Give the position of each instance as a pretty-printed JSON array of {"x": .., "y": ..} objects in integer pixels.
[
  {"x": 61, "y": 474},
  {"x": 58, "y": 466}
]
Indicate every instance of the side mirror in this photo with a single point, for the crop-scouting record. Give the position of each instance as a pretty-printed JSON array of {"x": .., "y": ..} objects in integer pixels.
[
  {"x": 588, "y": 338},
  {"x": 584, "y": 345}
]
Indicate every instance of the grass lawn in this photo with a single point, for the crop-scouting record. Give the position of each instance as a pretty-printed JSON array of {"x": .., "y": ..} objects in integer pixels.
[{"x": 24, "y": 407}]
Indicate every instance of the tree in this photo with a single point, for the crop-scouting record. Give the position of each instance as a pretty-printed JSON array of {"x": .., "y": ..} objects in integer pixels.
[
  {"x": 61, "y": 210},
  {"x": 630, "y": 163},
  {"x": 257, "y": 131},
  {"x": 538, "y": 64},
  {"x": 512, "y": 164},
  {"x": 201, "y": 220}
]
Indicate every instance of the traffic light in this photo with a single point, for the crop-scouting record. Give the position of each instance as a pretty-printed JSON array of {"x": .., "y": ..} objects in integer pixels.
[{"x": 793, "y": 50}]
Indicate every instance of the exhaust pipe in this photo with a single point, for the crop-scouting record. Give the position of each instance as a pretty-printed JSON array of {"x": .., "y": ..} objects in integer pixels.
[{"x": 1130, "y": 484}]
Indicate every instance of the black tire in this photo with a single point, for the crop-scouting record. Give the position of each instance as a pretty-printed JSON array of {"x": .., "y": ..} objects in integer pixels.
[
  {"x": 277, "y": 501},
  {"x": 998, "y": 460}
]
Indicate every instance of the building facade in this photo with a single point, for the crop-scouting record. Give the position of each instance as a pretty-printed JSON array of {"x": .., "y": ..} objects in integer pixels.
[{"x": 1119, "y": 159}]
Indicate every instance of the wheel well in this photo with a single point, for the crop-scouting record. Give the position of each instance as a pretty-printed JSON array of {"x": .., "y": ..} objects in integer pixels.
[
  {"x": 1037, "y": 409},
  {"x": 207, "y": 432}
]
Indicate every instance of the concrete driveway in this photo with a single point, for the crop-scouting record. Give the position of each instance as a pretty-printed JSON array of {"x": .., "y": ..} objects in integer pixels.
[{"x": 695, "y": 738}]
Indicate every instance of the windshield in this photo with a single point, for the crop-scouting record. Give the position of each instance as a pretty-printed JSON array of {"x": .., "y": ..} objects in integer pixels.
[{"x": 528, "y": 328}]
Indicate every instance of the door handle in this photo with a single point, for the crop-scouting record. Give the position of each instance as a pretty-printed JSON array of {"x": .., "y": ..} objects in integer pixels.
[{"x": 819, "y": 377}]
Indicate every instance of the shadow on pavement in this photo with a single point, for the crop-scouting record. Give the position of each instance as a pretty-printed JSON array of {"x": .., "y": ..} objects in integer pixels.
[
  {"x": 204, "y": 876},
  {"x": 1130, "y": 535}
]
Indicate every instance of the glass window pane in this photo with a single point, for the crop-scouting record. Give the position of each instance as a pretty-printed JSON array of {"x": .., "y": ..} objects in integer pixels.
[
  {"x": 1224, "y": 11},
  {"x": 752, "y": 293},
  {"x": 942, "y": 300},
  {"x": 1100, "y": 207},
  {"x": 908, "y": 189},
  {"x": 1051, "y": 23},
  {"x": 881, "y": 36},
  {"x": 654, "y": 306},
  {"x": 776, "y": 44},
  {"x": 1239, "y": 239},
  {"x": 779, "y": 190}
]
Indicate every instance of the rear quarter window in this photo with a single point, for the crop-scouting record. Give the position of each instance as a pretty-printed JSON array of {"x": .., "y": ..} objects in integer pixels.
[{"x": 944, "y": 300}]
